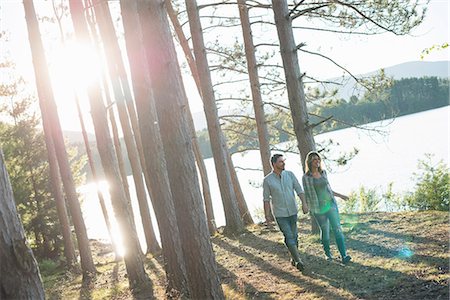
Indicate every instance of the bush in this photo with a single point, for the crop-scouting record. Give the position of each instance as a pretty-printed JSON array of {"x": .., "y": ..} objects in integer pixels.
[
  {"x": 432, "y": 186},
  {"x": 362, "y": 201},
  {"x": 392, "y": 201},
  {"x": 47, "y": 266}
]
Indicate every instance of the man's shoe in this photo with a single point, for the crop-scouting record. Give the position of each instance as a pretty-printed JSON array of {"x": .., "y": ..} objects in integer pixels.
[
  {"x": 300, "y": 266},
  {"x": 346, "y": 259}
]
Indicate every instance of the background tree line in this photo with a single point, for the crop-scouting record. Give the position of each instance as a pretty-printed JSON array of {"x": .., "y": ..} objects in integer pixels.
[{"x": 402, "y": 97}]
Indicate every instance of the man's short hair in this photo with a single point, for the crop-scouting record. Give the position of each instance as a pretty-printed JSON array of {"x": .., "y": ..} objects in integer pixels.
[{"x": 274, "y": 158}]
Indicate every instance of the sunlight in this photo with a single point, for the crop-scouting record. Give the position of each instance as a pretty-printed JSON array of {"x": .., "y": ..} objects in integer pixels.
[
  {"x": 92, "y": 213},
  {"x": 74, "y": 67}
]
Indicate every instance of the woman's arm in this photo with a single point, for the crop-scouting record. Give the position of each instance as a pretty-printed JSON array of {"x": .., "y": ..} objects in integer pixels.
[{"x": 343, "y": 197}]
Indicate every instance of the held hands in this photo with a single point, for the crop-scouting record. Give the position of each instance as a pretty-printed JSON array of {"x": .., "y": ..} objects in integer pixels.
[
  {"x": 269, "y": 220},
  {"x": 305, "y": 208}
]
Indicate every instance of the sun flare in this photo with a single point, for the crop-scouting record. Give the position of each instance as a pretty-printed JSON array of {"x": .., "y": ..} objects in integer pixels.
[{"x": 75, "y": 66}]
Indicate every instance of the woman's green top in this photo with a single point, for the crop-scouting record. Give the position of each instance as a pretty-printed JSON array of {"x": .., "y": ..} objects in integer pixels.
[
  {"x": 316, "y": 204},
  {"x": 323, "y": 194}
]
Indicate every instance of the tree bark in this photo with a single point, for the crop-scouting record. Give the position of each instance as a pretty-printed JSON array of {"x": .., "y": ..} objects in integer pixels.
[
  {"x": 170, "y": 103},
  {"x": 294, "y": 84},
  {"x": 96, "y": 179},
  {"x": 258, "y": 105},
  {"x": 233, "y": 218},
  {"x": 69, "y": 250},
  {"x": 47, "y": 104},
  {"x": 155, "y": 161},
  {"x": 115, "y": 65},
  {"x": 294, "y": 79},
  {"x": 19, "y": 272},
  {"x": 198, "y": 154},
  {"x": 139, "y": 282}
]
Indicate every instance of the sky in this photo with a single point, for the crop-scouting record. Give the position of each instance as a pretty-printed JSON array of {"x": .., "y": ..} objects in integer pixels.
[{"x": 360, "y": 54}]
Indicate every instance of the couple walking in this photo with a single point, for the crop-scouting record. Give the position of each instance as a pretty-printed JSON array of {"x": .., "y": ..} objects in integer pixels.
[{"x": 318, "y": 198}]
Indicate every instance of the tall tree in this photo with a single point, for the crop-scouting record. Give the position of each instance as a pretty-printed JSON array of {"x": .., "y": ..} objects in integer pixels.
[
  {"x": 169, "y": 92},
  {"x": 93, "y": 169},
  {"x": 233, "y": 218},
  {"x": 59, "y": 12},
  {"x": 198, "y": 154},
  {"x": 155, "y": 161},
  {"x": 69, "y": 250},
  {"x": 19, "y": 272},
  {"x": 139, "y": 282},
  {"x": 258, "y": 105},
  {"x": 48, "y": 110},
  {"x": 294, "y": 79},
  {"x": 120, "y": 84}
]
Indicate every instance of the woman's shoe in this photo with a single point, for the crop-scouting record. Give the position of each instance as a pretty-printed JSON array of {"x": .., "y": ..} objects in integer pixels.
[{"x": 346, "y": 259}]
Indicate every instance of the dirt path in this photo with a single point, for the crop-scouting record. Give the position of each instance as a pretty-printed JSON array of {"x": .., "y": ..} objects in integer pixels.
[{"x": 395, "y": 256}]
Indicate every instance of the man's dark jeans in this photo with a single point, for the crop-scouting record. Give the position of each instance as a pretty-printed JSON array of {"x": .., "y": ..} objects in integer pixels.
[{"x": 288, "y": 225}]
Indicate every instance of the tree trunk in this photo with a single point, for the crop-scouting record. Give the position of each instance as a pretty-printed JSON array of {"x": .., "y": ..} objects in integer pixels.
[
  {"x": 242, "y": 205},
  {"x": 294, "y": 79},
  {"x": 258, "y": 105},
  {"x": 155, "y": 161},
  {"x": 95, "y": 177},
  {"x": 19, "y": 272},
  {"x": 294, "y": 84},
  {"x": 139, "y": 282},
  {"x": 233, "y": 219},
  {"x": 198, "y": 154},
  {"x": 114, "y": 59},
  {"x": 47, "y": 104},
  {"x": 61, "y": 209},
  {"x": 170, "y": 101}
]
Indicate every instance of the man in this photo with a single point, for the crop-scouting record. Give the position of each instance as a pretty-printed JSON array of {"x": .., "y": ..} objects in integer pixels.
[{"x": 279, "y": 197}]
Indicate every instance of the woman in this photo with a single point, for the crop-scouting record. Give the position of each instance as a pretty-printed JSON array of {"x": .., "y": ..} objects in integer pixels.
[{"x": 322, "y": 204}]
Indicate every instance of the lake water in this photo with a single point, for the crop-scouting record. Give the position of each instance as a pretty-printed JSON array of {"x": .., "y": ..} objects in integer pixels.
[{"x": 382, "y": 158}]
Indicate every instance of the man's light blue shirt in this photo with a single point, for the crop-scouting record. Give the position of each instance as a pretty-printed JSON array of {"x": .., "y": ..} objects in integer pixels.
[{"x": 279, "y": 190}]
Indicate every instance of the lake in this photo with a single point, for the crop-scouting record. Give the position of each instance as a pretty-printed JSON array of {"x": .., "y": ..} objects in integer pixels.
[{"x": 382, "y": 158}]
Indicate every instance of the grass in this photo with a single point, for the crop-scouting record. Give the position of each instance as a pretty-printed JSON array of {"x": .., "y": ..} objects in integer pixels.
[{"x": 395, "y": 256}]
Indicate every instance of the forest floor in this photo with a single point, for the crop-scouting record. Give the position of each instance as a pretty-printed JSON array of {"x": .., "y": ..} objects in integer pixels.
[{"x": 395, "y": 256}]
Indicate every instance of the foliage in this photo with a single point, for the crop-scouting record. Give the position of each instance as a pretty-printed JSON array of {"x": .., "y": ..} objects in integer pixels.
[
  {"x": 24, "y": 147},
  {"x": 435, "y": 47},
  {"x": 364, "y": 200},
  {"x": 392, "y": 201},
  {"x": 47, "y": 266},
  {"x": 432, "y": 186}
]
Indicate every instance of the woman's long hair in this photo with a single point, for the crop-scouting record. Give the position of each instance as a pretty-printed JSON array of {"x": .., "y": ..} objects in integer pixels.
[{"x": 308, "y": 161}]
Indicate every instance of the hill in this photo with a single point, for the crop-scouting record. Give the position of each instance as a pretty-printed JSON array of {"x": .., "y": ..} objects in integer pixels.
[
  {"x": 410, "y": 69},
  {"x": 395, "y": 256}
]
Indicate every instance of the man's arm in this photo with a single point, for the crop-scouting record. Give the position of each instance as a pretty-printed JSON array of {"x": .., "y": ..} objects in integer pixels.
[
  {"x": 268, "y": 212},
  {"x": 305, "y": 207},
  {"x": 301, "y": 194},
  {"x": 266, "y": 196}
]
